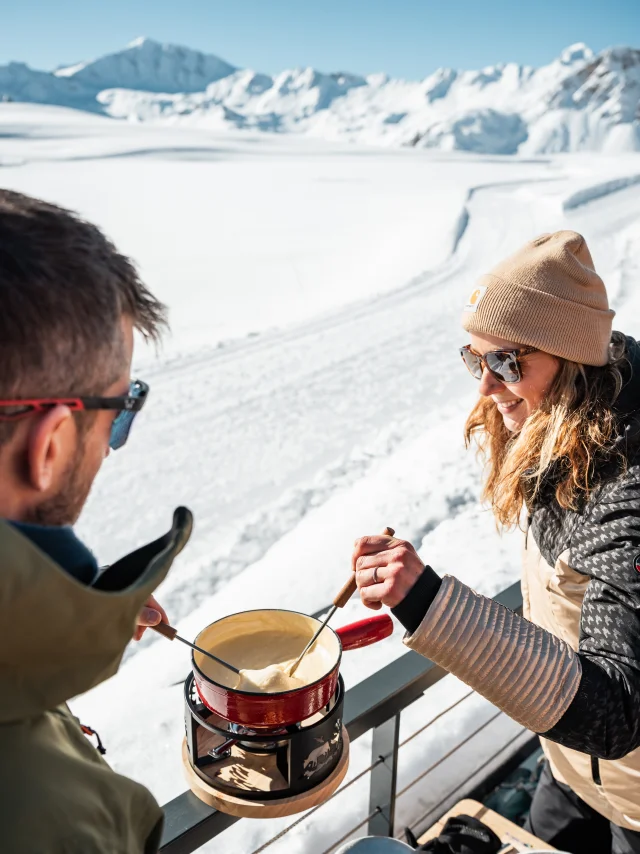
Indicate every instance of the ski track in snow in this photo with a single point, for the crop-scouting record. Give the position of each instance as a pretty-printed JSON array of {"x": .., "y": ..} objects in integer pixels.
[
  {"x": 290, "y": 443},
  {"x": 599, "y": 191},
  {"x": 345, "y": 379}
]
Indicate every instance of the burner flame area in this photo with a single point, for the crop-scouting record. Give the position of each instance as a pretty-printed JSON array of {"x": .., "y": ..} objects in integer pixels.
[{"x": 258, "y": 771}]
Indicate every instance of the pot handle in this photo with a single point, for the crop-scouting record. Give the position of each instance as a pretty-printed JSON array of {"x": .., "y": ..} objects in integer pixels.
[{"x": 365, "y": 632}]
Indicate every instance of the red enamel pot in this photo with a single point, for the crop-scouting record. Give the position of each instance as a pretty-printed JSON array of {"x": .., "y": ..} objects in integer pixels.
[{"x": 273, "y": 710}]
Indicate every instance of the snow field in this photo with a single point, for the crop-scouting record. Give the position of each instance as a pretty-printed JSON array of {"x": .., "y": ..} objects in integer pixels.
[{"x": 293, "y": 414}]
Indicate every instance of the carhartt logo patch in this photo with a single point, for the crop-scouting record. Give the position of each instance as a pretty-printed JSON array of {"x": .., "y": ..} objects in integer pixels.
[
  {"x": 474, "y": 299},
  {"x": 636, "y": 563}
]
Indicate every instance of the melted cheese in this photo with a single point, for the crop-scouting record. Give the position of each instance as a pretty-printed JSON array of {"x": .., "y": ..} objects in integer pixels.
[
  {"x": 264, "y": 657},
  {"x": 270, "y": 679}
]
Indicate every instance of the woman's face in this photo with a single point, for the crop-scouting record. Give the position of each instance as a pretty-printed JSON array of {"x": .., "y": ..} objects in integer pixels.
[{"x": 516, "y": 401}]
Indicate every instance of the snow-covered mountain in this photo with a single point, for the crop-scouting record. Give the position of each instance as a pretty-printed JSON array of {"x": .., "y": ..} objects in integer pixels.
[
  {"x": 580, "y": 101},
  {"x": 151, "y": 67}
]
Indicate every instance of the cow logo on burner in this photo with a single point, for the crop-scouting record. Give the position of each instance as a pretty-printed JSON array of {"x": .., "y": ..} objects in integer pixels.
[{"x": 320, "y": 756}]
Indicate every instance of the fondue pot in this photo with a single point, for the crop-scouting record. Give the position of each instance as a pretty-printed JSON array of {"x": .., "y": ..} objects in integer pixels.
[{"x": 262, "y": 710}]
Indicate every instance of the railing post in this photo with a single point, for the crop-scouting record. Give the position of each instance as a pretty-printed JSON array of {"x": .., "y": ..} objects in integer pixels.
[{"x": 382, "y": 793}]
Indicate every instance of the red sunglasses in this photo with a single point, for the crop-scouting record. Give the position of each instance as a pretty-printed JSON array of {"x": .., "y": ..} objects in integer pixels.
[{"x": 126, "y": 405}]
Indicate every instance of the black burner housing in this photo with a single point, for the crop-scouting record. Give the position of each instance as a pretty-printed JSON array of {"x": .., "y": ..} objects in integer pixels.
[{"x": 304, "y": 754}]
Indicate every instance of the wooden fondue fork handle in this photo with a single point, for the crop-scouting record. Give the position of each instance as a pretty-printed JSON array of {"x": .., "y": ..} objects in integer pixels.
[
  {"x": 166, "y": 631},
  {"x": 170, "y": 633},
  {"x": 350, "y": 587},
  {"x": 340, "y": 601}
]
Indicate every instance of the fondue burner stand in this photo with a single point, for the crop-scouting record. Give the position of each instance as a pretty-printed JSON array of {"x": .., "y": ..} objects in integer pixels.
[{"x": 261, "y": 772}]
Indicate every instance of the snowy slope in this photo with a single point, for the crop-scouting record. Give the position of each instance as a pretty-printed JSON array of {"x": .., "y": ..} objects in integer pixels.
[
  {"x": 312, "y": 391},
  {"x": 579, "y": 102},
  {"x": 18, "y": 82}
]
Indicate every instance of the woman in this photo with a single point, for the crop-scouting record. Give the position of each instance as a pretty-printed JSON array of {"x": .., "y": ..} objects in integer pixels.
[{"x": 559, "y": 424}]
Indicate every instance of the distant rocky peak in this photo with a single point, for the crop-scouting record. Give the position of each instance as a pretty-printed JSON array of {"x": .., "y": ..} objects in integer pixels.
[{"x": 578, "y": 52}]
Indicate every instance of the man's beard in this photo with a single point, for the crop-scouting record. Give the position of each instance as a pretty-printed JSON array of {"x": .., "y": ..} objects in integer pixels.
[{"x": 65, "y": 507}]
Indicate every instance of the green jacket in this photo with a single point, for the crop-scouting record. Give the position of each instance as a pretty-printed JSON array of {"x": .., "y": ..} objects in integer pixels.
[{"x": 59, "y": 638}]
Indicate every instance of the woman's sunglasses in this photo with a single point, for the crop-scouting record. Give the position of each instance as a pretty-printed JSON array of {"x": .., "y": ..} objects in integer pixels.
[
  {"x": 127, "y": 406},
  {"x": 504, "y": 365}
]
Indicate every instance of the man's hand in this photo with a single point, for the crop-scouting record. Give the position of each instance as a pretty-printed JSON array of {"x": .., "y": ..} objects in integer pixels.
[
  {"x": 386, "y": 569},
  {"x": 152, "y": 614}
]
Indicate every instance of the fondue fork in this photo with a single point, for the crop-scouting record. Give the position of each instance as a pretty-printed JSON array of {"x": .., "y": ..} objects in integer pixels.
[
  {"x": 339, "y": 602},
  {"x": 170, "y": 633}
]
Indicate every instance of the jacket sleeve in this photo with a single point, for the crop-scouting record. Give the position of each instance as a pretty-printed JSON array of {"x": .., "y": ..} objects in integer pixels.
[
  {"x": 526, "y": 671},
  {"x": 603, "y": 718},
  {"x": 587, "y": 700}
]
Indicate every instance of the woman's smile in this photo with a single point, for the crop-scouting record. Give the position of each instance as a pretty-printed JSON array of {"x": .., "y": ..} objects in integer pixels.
[{"x": 506, "y": 407}]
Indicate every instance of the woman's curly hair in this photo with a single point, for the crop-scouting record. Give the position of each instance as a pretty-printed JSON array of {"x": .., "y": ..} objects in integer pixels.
[{"x": 574, "y": 428}]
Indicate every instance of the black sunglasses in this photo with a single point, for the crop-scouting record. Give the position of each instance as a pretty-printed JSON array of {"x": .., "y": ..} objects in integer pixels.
[
  {"x": 504, "y": 365},
  {"x": 122, "y": 423},
  {"x": 127, "y": 406}
]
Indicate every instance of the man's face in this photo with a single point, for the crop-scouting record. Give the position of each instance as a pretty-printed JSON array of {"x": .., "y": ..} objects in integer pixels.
[{"x": 82, "y": 449}]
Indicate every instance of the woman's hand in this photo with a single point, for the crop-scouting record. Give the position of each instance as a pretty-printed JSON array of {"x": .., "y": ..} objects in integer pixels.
[
  {"x": 386, "y": 569},
  {"x": 152, "y": 614}
]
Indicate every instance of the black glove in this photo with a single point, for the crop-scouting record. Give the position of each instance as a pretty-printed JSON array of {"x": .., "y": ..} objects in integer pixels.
[{"x": 461, "y": 834}]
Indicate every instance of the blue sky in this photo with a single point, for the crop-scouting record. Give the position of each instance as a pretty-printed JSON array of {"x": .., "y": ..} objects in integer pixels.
[{"x": 406, "y": 38}]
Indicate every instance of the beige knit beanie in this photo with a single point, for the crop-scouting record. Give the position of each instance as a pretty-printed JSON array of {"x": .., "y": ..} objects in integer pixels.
[{"x": 547, "y": 295}]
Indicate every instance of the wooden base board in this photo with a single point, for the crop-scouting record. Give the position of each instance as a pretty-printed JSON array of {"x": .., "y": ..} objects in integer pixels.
[
  {"x": 514, "y": 837},
  {"x": 267, "y": 808}
]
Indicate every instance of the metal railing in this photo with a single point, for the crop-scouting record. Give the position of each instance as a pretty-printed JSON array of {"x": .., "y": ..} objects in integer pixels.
[{"x": 375, "y": 704}]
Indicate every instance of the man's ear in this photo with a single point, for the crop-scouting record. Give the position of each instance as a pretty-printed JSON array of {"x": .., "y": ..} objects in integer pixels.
[{"x": 48, "y": 446}]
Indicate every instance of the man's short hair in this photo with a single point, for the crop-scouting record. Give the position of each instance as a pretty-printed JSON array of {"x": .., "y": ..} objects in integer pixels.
[{"x": 64, "y": 289}]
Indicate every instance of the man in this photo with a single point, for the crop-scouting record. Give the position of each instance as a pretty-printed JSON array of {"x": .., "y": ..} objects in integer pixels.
[{"x": 69, "y": 304}]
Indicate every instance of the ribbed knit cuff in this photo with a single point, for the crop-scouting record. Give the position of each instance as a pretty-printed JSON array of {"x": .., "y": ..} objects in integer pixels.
[{"x": 416, "y": 603}]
